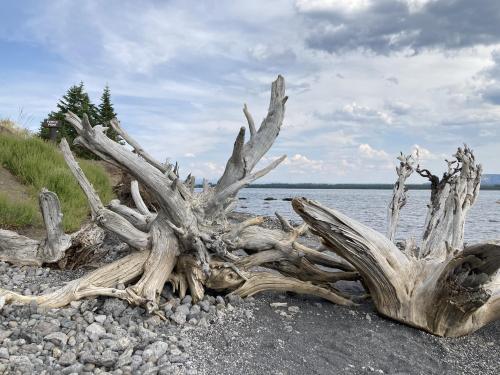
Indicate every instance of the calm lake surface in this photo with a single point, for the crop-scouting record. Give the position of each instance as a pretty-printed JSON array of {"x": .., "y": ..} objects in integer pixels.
[{"x": 370, "y": 208}]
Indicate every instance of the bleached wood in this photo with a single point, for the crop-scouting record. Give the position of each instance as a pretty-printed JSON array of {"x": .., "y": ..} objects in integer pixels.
[
  {"x": 103, "y": 281},
  {"x": 450, "y": 296},
  {"x": 451, "y": 199},
  {"x": 159, "y": 264},
  {"x": 158, "y": 184},
  {"x": 246, "y": 155},
  {"x": 116, "y": 126},
  {"x": 18, "y": 249},
  {"x": 224, "y": 195},
  {"x": 138, "y": 201},
  {"x": 399, "y": 196},
  {"x": 135, "y": 218},
  {"x": 251, "y": 123},
  {"x": 104, "y": 217}
]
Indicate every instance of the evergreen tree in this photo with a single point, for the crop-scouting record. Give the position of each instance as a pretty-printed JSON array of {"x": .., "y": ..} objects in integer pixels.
[
  {"x": 77, "y": 101},
  {"x": 107, "y": 113}
]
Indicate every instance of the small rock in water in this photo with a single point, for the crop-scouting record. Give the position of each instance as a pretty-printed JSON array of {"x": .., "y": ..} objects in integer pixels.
[
  {"x": 294, "y": 309},
  {"x": 368, "y": 317}
]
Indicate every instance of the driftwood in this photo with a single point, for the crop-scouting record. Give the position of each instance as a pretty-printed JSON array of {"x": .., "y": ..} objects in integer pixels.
[
  {"x": 442, "y": 287},
  {"x": 398, "y": 201},
  {"x": 189, "y": 240},
  {"x": 18, "y": 249}
]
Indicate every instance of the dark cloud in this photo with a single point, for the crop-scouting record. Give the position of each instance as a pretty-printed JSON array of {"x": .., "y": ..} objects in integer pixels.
[
  {"x": 491, "y": 91},
  {"x": 491, "y": 94},
  {"x": 388, "y": 26}
]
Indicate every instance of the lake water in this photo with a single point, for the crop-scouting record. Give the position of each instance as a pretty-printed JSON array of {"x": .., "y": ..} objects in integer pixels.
[{"x": 370, "y": 208}]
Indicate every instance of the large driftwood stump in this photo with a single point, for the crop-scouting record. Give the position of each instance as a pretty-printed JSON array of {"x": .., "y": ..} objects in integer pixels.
[
  {"x": 442, "y": 287},
  {"x": 189, "y": 241}
]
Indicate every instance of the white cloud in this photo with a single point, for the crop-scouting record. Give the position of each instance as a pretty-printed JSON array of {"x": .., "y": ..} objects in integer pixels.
[
  {"x": 343, "y": 6},
  {"x": 369, "y": 152},
  {"x": 426, "y": 155},
  {"x": 302, "y": 164}
]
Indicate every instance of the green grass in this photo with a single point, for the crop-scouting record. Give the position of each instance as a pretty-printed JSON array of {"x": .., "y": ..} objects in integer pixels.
[
  {"x": 15, "y": 214},
  {"x": 39, "y": 164}
]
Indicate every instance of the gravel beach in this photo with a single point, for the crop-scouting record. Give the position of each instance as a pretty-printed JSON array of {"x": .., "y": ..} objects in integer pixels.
[{"x": 272, "y": 333}]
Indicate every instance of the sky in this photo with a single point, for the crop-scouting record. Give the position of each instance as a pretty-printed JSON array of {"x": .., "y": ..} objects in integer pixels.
[{"x": 366, "y": 79}]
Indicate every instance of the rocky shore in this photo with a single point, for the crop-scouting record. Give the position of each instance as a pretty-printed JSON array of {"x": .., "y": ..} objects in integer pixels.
[{"x": 268, "y": 334}]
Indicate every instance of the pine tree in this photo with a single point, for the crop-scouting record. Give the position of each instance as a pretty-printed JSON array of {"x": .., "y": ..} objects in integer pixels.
[
  {"x": 107, "y": 113},
  {"x": 77, "y": 101}
]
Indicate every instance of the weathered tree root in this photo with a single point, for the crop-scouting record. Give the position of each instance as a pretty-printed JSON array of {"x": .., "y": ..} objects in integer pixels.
[
  {"x": 101, "y": 282},
  {"x": 442, "y": 288},
  {"x": 188, "y": 241}
]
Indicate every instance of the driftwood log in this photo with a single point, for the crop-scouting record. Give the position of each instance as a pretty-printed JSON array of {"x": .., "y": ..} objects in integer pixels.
[
  {"x": 189, "y": 241},
  {"x": 21, "y": 250},
  {"x": 442, "y": 287}
]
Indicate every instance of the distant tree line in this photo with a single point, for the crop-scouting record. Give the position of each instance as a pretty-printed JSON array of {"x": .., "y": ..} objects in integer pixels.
[
  {"x": 77, "y": 101},
  {"x": 425, "y": 186}
]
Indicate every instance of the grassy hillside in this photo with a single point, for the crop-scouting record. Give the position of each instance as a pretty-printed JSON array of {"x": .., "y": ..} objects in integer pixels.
[
  {"x": 16, "y": 213},
  {"x": 38, "y": 164}
]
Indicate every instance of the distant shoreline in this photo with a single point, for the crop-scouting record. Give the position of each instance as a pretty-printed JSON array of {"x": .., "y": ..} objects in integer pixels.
[{"x": 351, "y": 186}]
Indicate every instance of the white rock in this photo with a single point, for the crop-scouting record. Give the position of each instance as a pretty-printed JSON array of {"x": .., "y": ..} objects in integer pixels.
[
  {"x": 95, "y": 331},
  {"x": 278, "y": 304},
  {"x": 154, "y": 351},
  {"x": 4, "y": 353},
  {"x": 100, "y": 318},
  {"x": 57, "y": 338}
]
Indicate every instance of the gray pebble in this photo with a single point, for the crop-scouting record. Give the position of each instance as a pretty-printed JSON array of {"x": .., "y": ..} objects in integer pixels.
[{"x": 95, "y": 331}]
